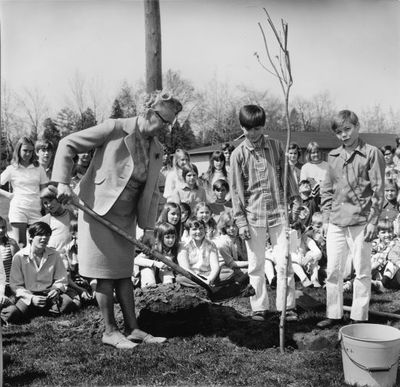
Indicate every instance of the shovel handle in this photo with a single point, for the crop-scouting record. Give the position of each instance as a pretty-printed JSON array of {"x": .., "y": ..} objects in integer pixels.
[{"x": 142, "y": 247}]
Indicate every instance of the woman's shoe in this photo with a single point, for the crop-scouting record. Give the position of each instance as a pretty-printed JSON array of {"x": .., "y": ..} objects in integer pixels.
[
  {"x": 138, "y": 336},
  {"x": 117, "y": 340}
]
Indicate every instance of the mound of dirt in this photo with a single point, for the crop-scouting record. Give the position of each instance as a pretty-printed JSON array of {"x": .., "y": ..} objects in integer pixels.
[{"x": 175, "y": 311}]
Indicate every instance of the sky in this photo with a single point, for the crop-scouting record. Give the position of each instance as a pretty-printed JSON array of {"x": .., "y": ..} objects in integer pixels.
[{"x": 349, "y": 48}]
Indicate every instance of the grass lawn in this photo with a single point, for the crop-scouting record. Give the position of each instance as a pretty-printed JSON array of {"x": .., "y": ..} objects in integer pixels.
[{"x": 211, "y": 344}]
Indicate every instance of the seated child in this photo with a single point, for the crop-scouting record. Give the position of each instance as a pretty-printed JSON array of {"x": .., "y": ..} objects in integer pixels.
[
  {"x": 232, "y": 252},
  {"x": 60, "y": 219},
  {"x": 190, "y": 192},
  {"x": 379, "y": 255},
  {"x": 38, "y": 279},
  {"x": 153, "y": 271},
  {"x": 203, "y": 212},
  {"x": 220, "y": 204},
  {"x": 171, "y": 213},
  {"x": 390, "y": 209},
  {"x": 8, "y": 248},
  {"x": 305, "y": 258},
  {"x": 198, "y": 255}
]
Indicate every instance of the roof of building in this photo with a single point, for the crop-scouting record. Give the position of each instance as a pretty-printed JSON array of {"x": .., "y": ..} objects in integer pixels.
[{"x": 326, "y": 140}]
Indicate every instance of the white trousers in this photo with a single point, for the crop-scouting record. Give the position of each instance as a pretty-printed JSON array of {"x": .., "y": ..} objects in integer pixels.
[
  {"x": 256, "y": 258},
  {"x": 340, "y": 241}
]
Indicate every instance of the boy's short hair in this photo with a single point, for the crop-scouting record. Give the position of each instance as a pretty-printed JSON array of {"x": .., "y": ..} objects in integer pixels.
[
  {"x": 193, "y": 222},
  {"x": 39, "y": 228},
  {"x": 220, "y": 183},
  {"x": 189, "y": 168},
  {"x": 342, "y": 117},
  {"x": 44, "y": 144},
  {"x": 251, "y": 116}
]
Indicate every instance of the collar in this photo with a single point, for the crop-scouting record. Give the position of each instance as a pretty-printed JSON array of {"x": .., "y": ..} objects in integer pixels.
[
  {"x": 262, "y": 142},
  {"x": 186, "y": 187},
  {"x": 193, "y": 243},
  {"x": 26, "y": 251},
  {"x": 360, "y": 148}
]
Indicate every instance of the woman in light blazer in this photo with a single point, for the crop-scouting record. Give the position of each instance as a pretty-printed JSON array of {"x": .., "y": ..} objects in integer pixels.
[{"x": 120, "y": 185}]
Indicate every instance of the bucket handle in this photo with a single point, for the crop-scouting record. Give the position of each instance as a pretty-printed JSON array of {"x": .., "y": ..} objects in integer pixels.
[{"x": 368, "y": 369}]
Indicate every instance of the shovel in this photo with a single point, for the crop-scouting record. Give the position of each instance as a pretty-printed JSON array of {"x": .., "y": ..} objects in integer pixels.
[{"x": 215, "y": 293}]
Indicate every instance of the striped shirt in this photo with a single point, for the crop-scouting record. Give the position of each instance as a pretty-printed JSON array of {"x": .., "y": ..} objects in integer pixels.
[
  {"x": 6, "y": 256},
  {"x": 256, "y": 181}
]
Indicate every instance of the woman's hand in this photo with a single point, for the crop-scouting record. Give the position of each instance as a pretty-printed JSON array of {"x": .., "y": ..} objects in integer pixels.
[
  {"x": 148, "y": 237},
  {"x": 64, "y": 193}
]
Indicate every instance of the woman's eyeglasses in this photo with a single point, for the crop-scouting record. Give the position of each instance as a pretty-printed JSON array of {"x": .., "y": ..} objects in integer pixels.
[{"x": 164, "y": 121}]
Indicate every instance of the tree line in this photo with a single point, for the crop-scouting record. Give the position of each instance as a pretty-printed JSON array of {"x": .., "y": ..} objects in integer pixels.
[{"x": 209, "y": 116}]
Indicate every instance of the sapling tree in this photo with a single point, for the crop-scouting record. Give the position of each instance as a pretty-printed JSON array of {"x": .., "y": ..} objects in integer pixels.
[{"x": 280, "y": 67}]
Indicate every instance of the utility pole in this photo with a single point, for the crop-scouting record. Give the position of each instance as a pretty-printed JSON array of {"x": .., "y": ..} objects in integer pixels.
[{"x": 153, "y": 45}]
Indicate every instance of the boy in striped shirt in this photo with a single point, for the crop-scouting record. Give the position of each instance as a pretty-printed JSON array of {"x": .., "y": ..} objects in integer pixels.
[{"x": 256, "y": 180}]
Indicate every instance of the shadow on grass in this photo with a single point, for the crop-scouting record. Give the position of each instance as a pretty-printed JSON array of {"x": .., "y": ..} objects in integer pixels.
[
  {"x": 25, "y": 378},
  {"x": 214, "y": 320}
]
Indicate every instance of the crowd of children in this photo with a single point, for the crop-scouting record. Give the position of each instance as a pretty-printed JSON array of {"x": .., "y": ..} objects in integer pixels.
[{"x": 222, "y": 224}]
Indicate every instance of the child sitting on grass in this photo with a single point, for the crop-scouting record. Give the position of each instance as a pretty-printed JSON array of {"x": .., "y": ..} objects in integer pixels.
[
  {"x": 190, "y": 192},
  {"x": 153, "y": 271},
  {"x": 171, "y": 213},
  {"x": 380, "y": 265},
  {"x": 38, "y": 279},
  {"x": 305, "y": 259},
  {"x": 203, "y": 212},
  {"x": 232, "y": 252},
  {"x": 198, "y": 255},
  {"x": 59, "y": 219}
]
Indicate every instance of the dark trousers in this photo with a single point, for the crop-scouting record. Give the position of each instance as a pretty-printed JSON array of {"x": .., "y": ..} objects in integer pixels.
[{"x": 21, "y": 312}]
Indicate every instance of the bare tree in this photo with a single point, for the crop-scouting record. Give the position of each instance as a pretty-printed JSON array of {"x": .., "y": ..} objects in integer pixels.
[
  {"x": 78, "y": 93},
  {"x": 96, "y": 99},
  {"x": 281, "y": 69},
  {"x": 34, "y": 106}
]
